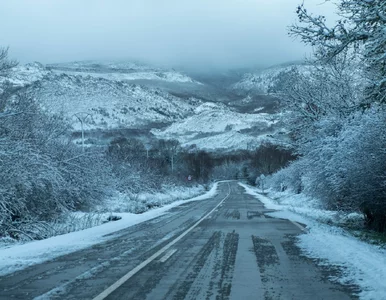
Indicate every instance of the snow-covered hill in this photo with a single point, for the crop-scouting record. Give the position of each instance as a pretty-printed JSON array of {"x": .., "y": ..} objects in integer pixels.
[
  {"x": 214, "y": 126},
  {"x": 109, "y": 104},
  {"x": 103, "y": 103},
  {"x": 258, "y": 82},
  {"x": 23, "y": 75}
]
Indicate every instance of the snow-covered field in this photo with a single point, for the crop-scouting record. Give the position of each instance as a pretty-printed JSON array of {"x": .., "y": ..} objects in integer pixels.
[
  {"x": 362, "y": 264},
  {"x": 17, "y": 257}
]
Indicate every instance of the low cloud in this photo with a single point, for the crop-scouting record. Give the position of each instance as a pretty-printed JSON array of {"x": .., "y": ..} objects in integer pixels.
[{"x": 199, "y": 34}]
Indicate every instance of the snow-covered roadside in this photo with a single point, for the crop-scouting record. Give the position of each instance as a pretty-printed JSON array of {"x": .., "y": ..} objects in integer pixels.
[
  {"x": 362, "y": 264},
  {"x": 18, "y": 257}
]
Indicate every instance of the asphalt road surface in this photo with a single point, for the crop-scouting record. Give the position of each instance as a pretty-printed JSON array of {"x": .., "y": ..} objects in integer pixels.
[{"x": 220, "y": 248}]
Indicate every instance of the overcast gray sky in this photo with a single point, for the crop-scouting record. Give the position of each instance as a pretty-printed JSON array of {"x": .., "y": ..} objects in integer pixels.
[{"x": 190, "y": 33}]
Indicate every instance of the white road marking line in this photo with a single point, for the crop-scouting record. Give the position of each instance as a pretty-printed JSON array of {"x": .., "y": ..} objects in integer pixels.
[
  {"x": 167, "y": 255},
  {"x": 138, "y": 268},
  {"x": 299, "y": 226}
]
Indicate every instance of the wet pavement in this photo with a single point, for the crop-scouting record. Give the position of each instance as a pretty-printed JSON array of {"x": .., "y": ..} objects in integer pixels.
[{"x": 236, "y": 252}]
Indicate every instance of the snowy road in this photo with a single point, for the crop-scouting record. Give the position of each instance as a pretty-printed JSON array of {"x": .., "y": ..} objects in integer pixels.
[{"x": 235, "y": 252}]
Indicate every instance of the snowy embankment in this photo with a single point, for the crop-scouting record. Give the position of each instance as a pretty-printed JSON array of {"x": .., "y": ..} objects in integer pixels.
[
  {"x": 362, "y": 264},
  {"x": 142, "y": 202},
  {"x": 18, "y": 257}
]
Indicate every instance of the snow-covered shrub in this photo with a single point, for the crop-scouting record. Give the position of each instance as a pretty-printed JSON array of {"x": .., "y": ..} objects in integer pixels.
[
  {"x": 348, "y": 169},
  {"x": 144, "y": 201},
  {"x": 289, "y": 178},
  {"x": 35, "y": 229},
  {"x": 338, "y": 117},
  {"x": 344, "y": 165},
  {"x": 358, "y": 167},
  {"x": 43, "y": 173}
]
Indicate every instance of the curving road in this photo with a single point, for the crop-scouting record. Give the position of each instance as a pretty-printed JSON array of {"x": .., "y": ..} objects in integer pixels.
[{"x": 221, "y": 248}]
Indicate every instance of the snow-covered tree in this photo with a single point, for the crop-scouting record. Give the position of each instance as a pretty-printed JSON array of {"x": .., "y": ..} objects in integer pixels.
[
  {"x": 361, "y": 29},
  {"x": 320, "y": 91},
  {"x": 6, "y": 66},
  {"x": 168, "y": 151},
  {"x": 337, "y": 113}
]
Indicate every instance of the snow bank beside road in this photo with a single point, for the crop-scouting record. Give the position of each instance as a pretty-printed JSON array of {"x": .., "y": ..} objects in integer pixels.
[
  {"x": 21, "y": 256},
  {"x": 139, "y": 203},
  {"x": 362, "y": 264},
  {"x": 268, "y": 203}
]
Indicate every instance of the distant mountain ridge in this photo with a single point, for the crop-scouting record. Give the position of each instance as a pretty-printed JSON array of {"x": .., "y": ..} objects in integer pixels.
[{"x": 122, "y": 71}]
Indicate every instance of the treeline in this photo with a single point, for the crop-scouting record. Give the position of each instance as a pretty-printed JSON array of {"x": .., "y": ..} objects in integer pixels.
[
  {"x": 337, "y": 113},
  {"x": 166, "y": 159}
]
